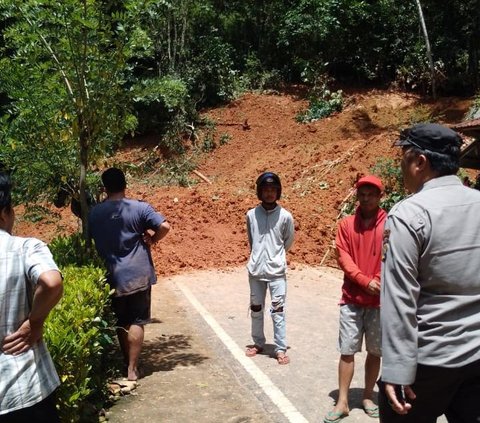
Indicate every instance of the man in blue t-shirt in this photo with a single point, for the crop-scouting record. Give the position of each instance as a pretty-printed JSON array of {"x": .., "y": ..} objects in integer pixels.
[{"x": 124, "y": 230}]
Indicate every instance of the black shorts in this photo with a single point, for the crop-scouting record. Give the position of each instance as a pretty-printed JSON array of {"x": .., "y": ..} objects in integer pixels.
[
  {"x": 42, "y": 412},
  {"x": 133, "y": 309}
]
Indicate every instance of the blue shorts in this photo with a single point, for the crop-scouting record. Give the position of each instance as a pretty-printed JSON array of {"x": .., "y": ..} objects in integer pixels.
[{"x": 133, "y": 309}]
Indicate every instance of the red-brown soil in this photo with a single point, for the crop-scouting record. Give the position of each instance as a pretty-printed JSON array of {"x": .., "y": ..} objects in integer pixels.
[{"x": 317, "y": 162}]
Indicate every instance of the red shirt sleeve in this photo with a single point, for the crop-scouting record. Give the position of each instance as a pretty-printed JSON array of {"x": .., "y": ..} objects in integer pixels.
[{"x": 344, "y": 256}]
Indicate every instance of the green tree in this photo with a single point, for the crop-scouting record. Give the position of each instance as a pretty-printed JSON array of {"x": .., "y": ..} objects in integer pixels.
[{"x": 63, "y": 68}]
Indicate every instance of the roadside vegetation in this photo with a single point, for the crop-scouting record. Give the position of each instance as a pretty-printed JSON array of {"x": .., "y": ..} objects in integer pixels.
[
  {"x": 79, "y": 77},
  {"x": 76, "y": 78}
]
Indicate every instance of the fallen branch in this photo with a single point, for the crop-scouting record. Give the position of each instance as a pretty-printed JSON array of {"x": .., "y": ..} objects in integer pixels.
[
  {"x": 202, "y": 176},
  {"x": 327, "y": 253}
]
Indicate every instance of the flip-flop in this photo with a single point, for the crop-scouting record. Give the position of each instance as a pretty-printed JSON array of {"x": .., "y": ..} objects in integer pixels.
[
  {"x": 372, "y": 411},
  {"x": 253, "y": 350},
  {"x": 334, "y": 417},
  {"x": 282, "y": 358}
]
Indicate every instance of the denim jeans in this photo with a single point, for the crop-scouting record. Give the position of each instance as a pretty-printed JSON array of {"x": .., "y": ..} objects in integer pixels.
[{"x": 278, "y": 291}]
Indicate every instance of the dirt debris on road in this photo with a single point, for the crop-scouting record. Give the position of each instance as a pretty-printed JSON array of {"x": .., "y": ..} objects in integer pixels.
[{"x": 317, "y": 162}]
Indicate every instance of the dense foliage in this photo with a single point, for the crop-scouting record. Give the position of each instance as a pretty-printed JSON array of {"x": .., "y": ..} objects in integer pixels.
[
  {"x": 79, "y": 334},
  {"x": 77, "y": 76},
  {"x": 76, "y": 336}
]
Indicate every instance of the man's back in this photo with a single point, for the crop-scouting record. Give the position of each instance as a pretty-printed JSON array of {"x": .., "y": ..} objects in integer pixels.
[
  {"x": 444, "y": 220},
  {"x": 117, "y": 228}
]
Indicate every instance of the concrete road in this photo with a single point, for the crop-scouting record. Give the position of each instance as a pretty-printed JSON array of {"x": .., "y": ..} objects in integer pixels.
[{"x": 214, "y": 381}]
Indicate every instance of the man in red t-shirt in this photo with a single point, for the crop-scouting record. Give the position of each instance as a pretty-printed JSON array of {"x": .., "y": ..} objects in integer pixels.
[{"x": 359, "y": 252}]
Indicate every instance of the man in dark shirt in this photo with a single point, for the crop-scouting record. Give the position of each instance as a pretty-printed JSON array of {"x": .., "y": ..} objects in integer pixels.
[{"x": 123, "y": 230}]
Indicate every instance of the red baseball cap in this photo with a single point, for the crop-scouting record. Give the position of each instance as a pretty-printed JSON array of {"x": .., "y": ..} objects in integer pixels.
[{"x": 370, "y": 180}]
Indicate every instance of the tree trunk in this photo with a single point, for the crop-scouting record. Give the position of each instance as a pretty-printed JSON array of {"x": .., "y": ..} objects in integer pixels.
[
  {"x": 429, "y": 50},
  {"x": 83, "y": 184}
]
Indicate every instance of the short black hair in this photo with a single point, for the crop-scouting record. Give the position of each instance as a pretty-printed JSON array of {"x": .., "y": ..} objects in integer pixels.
[
  {"x": 113, "y": 180},
  {"x": 5, "y": 191},
  {"x": 445, "y": 163}
]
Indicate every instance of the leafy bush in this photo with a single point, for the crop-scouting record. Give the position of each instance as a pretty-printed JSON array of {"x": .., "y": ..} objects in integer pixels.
[
  {"x": 162, "y": 105},
  {"x": 323, "y": 106},
  {"x": 256, "y": 77},
  {"x": 323, "y": 102},
  {"x": 71, "y": 251},
  {"x": 415, "y": 74},
  {"x": 211, "y": 74},
  {"x": 78, "y": 334},
  {"x": 79, "y": 330},
  {"x": 224, "y": 139}
]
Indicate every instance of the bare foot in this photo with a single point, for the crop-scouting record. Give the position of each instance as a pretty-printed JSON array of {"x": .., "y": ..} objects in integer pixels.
[{"x": 132, "y": 374}]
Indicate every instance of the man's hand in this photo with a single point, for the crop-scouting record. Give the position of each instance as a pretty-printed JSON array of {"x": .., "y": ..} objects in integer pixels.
[
  {"x": 48, "y": 292},
  {"x": 151, "y": 237},
  {"x": 23, "y": 339},
  {"x": 147, "y": 239},
  {"x": 399, "y": 405},
  {"x": 373, "y": 287}
]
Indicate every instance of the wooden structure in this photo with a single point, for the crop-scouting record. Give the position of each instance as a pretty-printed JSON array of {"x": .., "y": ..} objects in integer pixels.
[{"x": 470, "y": 155}]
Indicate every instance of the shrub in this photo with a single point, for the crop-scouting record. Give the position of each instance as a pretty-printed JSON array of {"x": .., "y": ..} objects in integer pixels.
[
  {"x": 389, "y": 171},
  {"x": 224, "y": 139},
  {"x": 211, "y": 75},
  {"x": 78, "y": 334},
  {"x": 322, "y": 105},
  {"x": 71, "y": 250},
  {"x": 163, "y": 106},
  {"x": 79, "y": 330},
  {"x": 256, "y": 77}
]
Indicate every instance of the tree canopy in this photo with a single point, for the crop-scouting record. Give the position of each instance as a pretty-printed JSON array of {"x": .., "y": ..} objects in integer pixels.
[{"x": 77, "y": 76}]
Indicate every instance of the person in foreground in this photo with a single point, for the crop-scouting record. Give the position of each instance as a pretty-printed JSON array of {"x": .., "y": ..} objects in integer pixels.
[
  {"x": 430, "y": 295},
  {"x": 359, "y": 251},
  {"x": 124, "y": 230},
  {"x": 30, "y": 286},
  {"x": 270, "y": 230}
]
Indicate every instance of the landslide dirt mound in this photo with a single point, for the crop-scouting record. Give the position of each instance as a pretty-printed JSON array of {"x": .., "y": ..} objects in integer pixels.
[{"x": 317, "y": 162}]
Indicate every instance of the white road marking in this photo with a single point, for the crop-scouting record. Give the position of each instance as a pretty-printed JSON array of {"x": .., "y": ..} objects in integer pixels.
[{"x": 276, "y": 396}]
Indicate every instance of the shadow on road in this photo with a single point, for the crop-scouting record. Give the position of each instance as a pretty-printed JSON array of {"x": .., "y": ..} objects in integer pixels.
[
  {"x": 355, "y": 396},
  {"x": 165, "y": 352}
]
